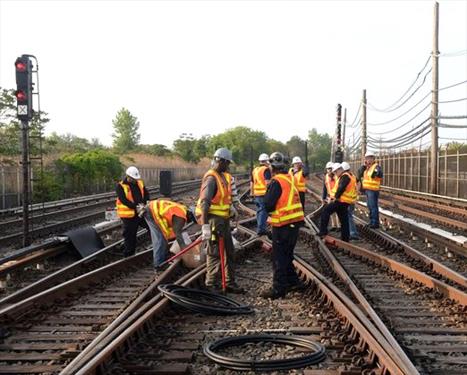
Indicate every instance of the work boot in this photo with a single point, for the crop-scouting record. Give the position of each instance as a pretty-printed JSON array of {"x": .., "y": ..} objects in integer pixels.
[
  {"x": 235, "y": 289},
  {"x": 298, "y": 287},
  {"x": 213, "y": 289},
  {"x": 272, "y": 294}
]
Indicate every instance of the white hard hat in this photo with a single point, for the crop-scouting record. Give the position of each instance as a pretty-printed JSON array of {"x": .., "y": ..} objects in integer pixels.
[
  {"x": 329, "y": 164},
  {"x": 345, "y": 166},
  {"x": 263, "y": 157},
  {"x": 369, "y": 153},
  {"x": 223, "y": 153},
  {"x": 336, "y": 166},
  {"x": 296, "y": 159},
  {"x": 133, "y": 173}
]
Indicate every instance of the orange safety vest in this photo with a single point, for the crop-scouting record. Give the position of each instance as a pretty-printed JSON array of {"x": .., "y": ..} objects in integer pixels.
[
  {"x": 163, "y": 211},
  {"x": 125, "y": 212},
  {"x": 259, "y": 182},
  {"x": 350, "y": 193},
  {"x": 329, "y": 182},
  {"x": 288, "y": 207},
  {"x": 220, "y": 203},
  {"x": 369, "y": 183},
  {"x": 300, "y": 180}
]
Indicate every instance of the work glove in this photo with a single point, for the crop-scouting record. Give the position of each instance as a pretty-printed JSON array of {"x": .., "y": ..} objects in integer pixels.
[
  {"x": 140, "y": 209},
  {"x": 206, "y": 232}
]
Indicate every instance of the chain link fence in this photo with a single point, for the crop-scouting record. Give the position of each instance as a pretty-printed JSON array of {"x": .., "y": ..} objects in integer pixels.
[{"x": 411, "y": 170}]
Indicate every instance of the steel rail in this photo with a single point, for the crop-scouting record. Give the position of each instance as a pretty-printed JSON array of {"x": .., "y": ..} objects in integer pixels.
[
  {"x": 407, "y": 271},
  {"x": 433, "y": 264},
  {"x": 90, "y": 364},
  {"x": 427, "y": 215},
  {"x": 391, "y": 344}
]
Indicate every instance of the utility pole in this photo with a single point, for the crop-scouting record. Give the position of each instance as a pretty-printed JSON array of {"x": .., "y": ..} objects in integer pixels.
[
  {"x": 434, "y": 104},
  {"x": 25, "y": 165},
  {"x": 343, "y": 132},
  {"x": 364, "y": 124},
  {"x": 338, "y": 154}
]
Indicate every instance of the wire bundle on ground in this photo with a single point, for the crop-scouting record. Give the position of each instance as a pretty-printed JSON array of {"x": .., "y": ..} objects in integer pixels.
[
  {"x": 203, "y": 302},
  {"x": 318, "y": 353}
]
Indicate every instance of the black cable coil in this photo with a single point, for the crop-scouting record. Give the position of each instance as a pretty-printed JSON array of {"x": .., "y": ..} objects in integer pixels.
[
  {"x": 202, "y": 301},
  {"x": 318, "y": 355}
]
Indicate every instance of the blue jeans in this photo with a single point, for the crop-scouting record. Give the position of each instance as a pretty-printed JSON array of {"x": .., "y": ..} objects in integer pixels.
[
  {"x": 159, "y": 243},
  {"x": 372, "y": 203},
  {"x": 352, "y": 227},
  {"x": 261, "y": 214}
]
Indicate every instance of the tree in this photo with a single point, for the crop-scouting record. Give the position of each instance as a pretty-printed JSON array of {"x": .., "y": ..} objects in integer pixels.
[
  {"x": 243, "y": 142},
  {"x": 319, "y": 149},
  {"x": 185, "y": 146},
  {"x": 155, "y": 149},
  {"x": 296, "y": 147},
  {"x": 70, "y": 143},
  {"x": 10, "y": 139},
  {"x": 125, "y": 136}
]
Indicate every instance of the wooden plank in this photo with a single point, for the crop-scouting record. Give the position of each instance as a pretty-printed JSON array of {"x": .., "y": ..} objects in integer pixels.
[
  {"x": 98, "y": 306},
  {"x": 434, "y": 331},
  {"x": 52, "y": 337},
  {"x": 29, "y": 369},
  {"x": 172, "y": 369},
  {"x": 440, "y": 348},
  {"x": 169, "y": 356},
  {"x": 19, "y": 357},
  {"x": 70, "y": 328},
  {"x": 80, "y": 321},
  {"x": 39, "y": 347},
  {"x": 89, "y": 313}
]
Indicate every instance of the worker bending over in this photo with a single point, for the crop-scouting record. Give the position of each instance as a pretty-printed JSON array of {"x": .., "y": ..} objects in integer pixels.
[
  {"x": 213, "y": 210},
  {"x": 370, "y": 183},
  {"x": 260, "y": 178},
  {"x": 282, "y": 201},
  {"x": 300, "y": 173},
  {"x": 166, "y": 220},
  {"x": 132, "y": 195},
  {"x": 343, "y": 194}
]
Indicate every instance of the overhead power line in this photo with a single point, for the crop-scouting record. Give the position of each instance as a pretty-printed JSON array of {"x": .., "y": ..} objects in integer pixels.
[
  {"x": 390, "y": 108},
  {"x": 405, "y": 123},
  {"x": 452, "y": 126}
]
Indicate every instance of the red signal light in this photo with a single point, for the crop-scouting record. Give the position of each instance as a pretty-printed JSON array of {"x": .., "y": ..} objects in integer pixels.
[
  {"x": 20, "y": 66},
  {"x": 21, "y": 96}
]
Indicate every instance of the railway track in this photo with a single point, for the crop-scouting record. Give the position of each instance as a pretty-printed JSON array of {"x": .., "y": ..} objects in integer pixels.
[
  {"x": 65, "y": 218},
  {"x": 58, "y": 255}
]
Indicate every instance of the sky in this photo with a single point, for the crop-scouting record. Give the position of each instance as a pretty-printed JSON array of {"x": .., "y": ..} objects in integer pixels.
[{"x": 202, "y": 67}]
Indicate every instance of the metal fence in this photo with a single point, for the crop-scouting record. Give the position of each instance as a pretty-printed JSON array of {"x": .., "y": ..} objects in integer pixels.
[
  {"x": 411, "y": 171},
  {"x": 11, "y": 183}
]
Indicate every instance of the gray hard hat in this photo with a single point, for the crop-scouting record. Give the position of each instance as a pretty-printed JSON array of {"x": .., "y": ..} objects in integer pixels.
[
  {"x": 223, "y": 153},
  {"x": 277, "y": 160}
]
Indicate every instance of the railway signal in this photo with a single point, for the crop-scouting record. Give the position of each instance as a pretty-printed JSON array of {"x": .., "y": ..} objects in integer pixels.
[{"x": 24, "y": 87}]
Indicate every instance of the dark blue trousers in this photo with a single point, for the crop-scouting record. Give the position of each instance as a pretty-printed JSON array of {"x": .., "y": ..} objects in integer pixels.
[
  {"x": 284, "y": 240},
  {"x": 341, "y": 209}
]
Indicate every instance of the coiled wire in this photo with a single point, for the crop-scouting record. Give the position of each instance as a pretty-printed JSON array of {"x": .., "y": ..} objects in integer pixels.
[
  {"x": 318, "y": 355},
  {"x": 202, "y": 301}
]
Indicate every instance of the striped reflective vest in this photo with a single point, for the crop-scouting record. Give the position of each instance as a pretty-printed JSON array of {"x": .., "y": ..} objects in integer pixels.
[
  {"x": 163, "y": 211},
  {"x": 288, "y": 207},
  {"x": 329, "y": 182},
  {"x": 125, "y": 212},
  {"x": 350, "y": 193},
  {"x": 259, "y": 182},
  {"x": 300, "y": 180},
  {"x": 369, "y": 183},
  {"x": 220, "y": 203}
]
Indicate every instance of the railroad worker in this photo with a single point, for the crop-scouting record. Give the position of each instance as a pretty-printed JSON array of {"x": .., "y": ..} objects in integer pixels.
[
  {"x": 328, "y": 185},
  {"x": 343, "y": 194},
  {"x": 352, "y": 227},
  {"x": 132, "y": 195},
  {"x": 166, "y": 220},
  {"x": 371, "y": 182},
  {"x": 300, "y": 173},
  {"x": 282, "y": 201},
  {"x": 213, "y": 210},
  {"x": 260, "y": 178}
]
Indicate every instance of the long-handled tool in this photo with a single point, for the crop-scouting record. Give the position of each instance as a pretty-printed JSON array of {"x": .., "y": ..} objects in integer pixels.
[
  {"x": 222, "y": 260},
  {"x": 186, "y": 249}
]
